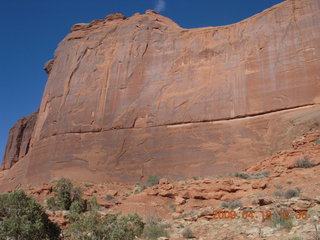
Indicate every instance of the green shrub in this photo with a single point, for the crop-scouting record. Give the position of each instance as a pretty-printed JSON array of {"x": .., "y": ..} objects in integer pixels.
[
  {"x": 187, "y": 233},
  {"x": 110, "y": 198},
  {"x": 188, "y": 214},
  {"x": 139, "y": 188},
  {"x": 242, "y": 175},
  {"x": 76, "y": 208},
  {"x": 62, "y": 199},
  {"x": 52, "y": 204},
  {"x": 232, "y": 204},
  {"x": 279, "y": 219},
  {"x": 92, "y": 204},
  {"x": 153, "y": 180},
  {"x": 317, "y": 141},
  {"x": 64, "y": 189},
  {"x": 173, "y": 207},
  {"x": 21, "y": 217},
  {"x": 290, "y": 193},
  {"x": 76, "y": 194},
  {"x": 295, "y": 238},
  {"x": 278, "y": 194},
  {"x": 246, "y": 175},
  {"x": 154, "y": 229},
  {"x": 91, "y": 226},
  {"x": 65, "y": 196},
  {"x": 304, "y": 162}
]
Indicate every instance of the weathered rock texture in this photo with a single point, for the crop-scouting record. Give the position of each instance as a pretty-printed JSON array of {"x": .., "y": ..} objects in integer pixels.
[
  {"x": 127, "y": 98},
  {"x": 19, "y": 140}
]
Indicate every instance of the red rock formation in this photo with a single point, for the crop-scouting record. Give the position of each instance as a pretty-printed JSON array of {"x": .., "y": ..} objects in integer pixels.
[
  {"x": 19, "y": 140},
  {"x": 127, "y": 98}
]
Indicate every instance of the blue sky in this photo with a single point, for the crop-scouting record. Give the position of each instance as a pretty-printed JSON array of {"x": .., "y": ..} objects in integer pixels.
[{"x": 31, "y": 30}]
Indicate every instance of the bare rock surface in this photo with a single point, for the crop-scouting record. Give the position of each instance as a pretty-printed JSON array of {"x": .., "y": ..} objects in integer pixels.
[{"x": 19, "y": 140}]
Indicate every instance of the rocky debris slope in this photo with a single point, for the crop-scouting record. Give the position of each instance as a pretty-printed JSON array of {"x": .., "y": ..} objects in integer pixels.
[
  {"x": 277, "y": 183},
  {"x": 131, "y": 97}
]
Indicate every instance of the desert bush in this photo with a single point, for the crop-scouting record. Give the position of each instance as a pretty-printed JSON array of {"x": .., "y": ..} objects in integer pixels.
[
  {"x": 21, "y": 217},
  {"x": 63, "y": 191},
  {"x": 187, "y": 233},
  {"x": 232, "y": 204},
  {"x": 139, "y": 188},
  {"x": 278, "y": 219},
  {"x": 173, "y": 207},
  {"x": 76, "y": 208},
  {"x": 295, "y": 238},
  {"x": 304, "y": 162},
  {"x": 255, "y": 202},
  {"x": 85, "y": 227},
  {"x": 62, "y": 199},
  {"x": 65, "y": 195},
  {"x": 290, "y": 193},
  {"x": 76, "y": 194},
  {"x": 154, "y": 229},
  {"x": 52, "y": 204},
  {"x": 153, "y": 180},
  {"x": 110, "y": 198},
  {"x": 196, "y": 177},
  {"x": 92, "y": 204},
  {"x": 242, "y": 175},
  {"x": 317, "y": 141},
  {"x": 91, "y": 226},
  {"x": 188, "y": 214},
  {"x": 278, "y": 193},
  {"x": 246, "y": 175}
]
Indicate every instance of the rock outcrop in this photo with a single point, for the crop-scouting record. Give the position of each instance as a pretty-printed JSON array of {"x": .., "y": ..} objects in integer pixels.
[
  {"x": 132, "y": 97},
  {"x": 19, "y": 141}
]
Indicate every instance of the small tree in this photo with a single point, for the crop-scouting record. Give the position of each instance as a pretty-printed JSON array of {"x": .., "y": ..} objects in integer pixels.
[
  {"x": 21, "y": 217},
  {"x": 65, "y": 196}
]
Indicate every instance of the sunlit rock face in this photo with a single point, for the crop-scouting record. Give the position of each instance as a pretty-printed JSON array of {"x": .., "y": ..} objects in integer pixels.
[{"x": 132, "y": 97}]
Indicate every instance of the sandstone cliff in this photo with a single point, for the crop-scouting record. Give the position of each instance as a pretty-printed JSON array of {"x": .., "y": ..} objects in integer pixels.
[
  {"x": 19, "y": 140},
  {"x": 131, "y": 97}
]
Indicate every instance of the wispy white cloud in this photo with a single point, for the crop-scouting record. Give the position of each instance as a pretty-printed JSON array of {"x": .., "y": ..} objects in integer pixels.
[{"x": 160, "y": 6}]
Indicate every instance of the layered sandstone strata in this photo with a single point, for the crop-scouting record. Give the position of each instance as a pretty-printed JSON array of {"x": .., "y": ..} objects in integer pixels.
[{"x": 131, "y": 97}]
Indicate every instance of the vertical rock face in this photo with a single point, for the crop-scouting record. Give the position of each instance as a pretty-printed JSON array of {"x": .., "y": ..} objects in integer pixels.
[
  {"x": 19, "y": 141},
  {"x": 127, "y": 98}
]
